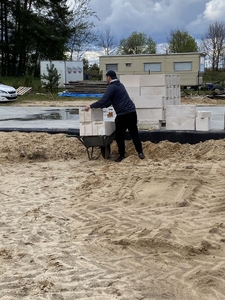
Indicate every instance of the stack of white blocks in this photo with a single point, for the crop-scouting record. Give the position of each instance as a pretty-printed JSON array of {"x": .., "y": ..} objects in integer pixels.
[
  {"x": 92, "y": 124},
  {"x": 185, "y": 117},
  {"x": 151, "y": 95}
]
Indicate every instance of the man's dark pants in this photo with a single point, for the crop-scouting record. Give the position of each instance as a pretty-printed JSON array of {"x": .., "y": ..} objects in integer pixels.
[{"x": 124, "y": 122}]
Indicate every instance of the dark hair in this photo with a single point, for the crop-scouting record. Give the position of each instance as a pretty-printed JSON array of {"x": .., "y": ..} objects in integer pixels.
[{"x": 111, "y": 74}]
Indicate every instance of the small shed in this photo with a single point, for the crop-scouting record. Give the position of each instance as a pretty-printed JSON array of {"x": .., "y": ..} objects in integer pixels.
[{"x": 69, "y": 70}]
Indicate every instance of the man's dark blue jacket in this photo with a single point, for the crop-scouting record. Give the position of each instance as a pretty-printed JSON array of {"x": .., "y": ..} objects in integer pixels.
[{"x": 117, "y": 96}]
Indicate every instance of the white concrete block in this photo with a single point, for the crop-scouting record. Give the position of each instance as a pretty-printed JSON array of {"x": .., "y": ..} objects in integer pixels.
[
  {"x": 152, "y": 80},
  {"x": 176, "y": 91},
  {"x": 148, "y": 101},
  {"x": 180, "y": 123},
  {"x": 167, "y": 101},
  {"x": 130, "y": 80},
  {"x": 169, "y": 80},
  {"x": 171, "y": 101},
  {"x": 203, "y": 124},
  {"x": 149, "y": 124},
  {"x": 150, "y": 114},
  {"x": 204, "y": 114},
  {"x": 91, "y": 115},
  {"x": 177, "y": 101},
  {"x": 103, "y": 128},
  {"x": 86, "y": 129},
  {"x": 133, "y": 91},
  {"x": 181, "y": 111},
  {"x": 170, "y": 92},
  {"x": 175, "y": 79},
  {"x": 154, "y": 90}
]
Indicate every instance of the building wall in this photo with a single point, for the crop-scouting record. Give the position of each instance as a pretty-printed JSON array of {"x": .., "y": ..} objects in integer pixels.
[
  {"x": 167, "y": 65},
  {"x": 68, "y": 70}
]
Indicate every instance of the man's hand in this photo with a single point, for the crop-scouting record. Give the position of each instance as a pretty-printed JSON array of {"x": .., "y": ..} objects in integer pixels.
[{"x": 87, "y": 107}]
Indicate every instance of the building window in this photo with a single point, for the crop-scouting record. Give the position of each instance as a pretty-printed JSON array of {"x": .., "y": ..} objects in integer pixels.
[
  {"x": 113, "y": 67},
  {"x": 128, "y": 64},
  {"x": 152, "y": 67},
  {"x": 182, "y": 66}
]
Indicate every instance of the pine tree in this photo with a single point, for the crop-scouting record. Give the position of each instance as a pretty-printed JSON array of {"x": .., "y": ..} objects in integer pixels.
[{"x": 51, "y": 80}]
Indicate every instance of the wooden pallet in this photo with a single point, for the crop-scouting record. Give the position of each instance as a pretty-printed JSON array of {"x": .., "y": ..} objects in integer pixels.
[
  {"x": 86, "y": 87},
  {"x": 22, "y": 90}
]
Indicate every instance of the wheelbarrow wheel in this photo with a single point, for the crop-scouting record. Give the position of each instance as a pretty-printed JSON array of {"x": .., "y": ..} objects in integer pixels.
[{"x": 106, "y": 151}]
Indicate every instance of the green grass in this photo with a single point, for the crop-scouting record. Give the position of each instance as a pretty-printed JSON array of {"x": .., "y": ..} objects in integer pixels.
[
  {"x": 37, "y": 93},
  {"x": 16, "y": 82}
]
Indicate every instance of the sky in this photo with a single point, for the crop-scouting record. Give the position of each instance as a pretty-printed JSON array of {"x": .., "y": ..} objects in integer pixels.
[{"x": 157, "y": 18}]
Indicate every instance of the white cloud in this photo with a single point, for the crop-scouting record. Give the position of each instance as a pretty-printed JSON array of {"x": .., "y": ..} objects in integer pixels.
[
  {"x": 215, "y": 10},
  {"x": 157, "y": 17},
  {"x": 93, "y": 56}
]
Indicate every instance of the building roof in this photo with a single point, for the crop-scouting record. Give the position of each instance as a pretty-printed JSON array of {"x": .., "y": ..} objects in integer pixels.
[{"x": 159, "y": 54}]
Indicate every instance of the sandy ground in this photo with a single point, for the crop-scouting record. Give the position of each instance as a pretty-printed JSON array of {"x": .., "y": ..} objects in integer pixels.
[{"x": 149, "y": 229}]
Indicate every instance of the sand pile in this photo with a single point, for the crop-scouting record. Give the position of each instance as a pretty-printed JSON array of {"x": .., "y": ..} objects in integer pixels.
[{"x": 141, "y": 229}]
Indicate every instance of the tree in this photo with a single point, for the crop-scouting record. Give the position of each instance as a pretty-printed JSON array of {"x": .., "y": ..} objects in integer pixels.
[
  {"x": 85, "y": 66},
  {"x": 30, "y": 31},
  {"x": 82, "y": 35},
  {"x": 5, "y": 24},
  {"x": 51, "y": 80},
  {"x": 180, "y": 41},
  {"x": 107, "y": 41},
  {"x": 91, "y": 71},
  {"x": 213, "y": 44},
  {"x": 137, "y": 43}
]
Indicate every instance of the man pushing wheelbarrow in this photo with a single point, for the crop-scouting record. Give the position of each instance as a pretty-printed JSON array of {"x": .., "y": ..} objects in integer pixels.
[{"x": 126, "y": 115}]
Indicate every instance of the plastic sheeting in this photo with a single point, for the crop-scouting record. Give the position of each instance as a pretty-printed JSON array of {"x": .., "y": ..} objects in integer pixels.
[{"x": 71, "y": 94}]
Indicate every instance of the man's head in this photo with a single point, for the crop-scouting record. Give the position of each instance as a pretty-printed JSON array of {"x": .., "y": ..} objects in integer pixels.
[{"x": 110, "y": 75}]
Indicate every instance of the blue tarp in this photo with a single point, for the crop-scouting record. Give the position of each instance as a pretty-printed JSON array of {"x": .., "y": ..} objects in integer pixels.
[{"x": 70, "y": 94}]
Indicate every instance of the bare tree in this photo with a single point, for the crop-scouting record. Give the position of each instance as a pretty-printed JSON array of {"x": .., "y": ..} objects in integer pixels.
[
  {"x": 213, "y": 44},
  {"x": 107, "y": 41},
  {"x": 82, "y": 35}
]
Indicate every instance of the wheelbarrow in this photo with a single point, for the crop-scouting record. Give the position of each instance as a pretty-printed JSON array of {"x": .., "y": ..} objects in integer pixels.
[{"x": 101, "y": 141}]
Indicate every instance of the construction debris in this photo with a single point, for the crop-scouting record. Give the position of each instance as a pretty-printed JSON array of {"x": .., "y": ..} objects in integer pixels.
[
  {"x": 86, "y": 87},
  {"x": 22, "y": 90}
]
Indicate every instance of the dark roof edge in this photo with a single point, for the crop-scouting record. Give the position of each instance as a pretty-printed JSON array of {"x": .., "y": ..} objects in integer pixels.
[{"x": 159, "y": 54}]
